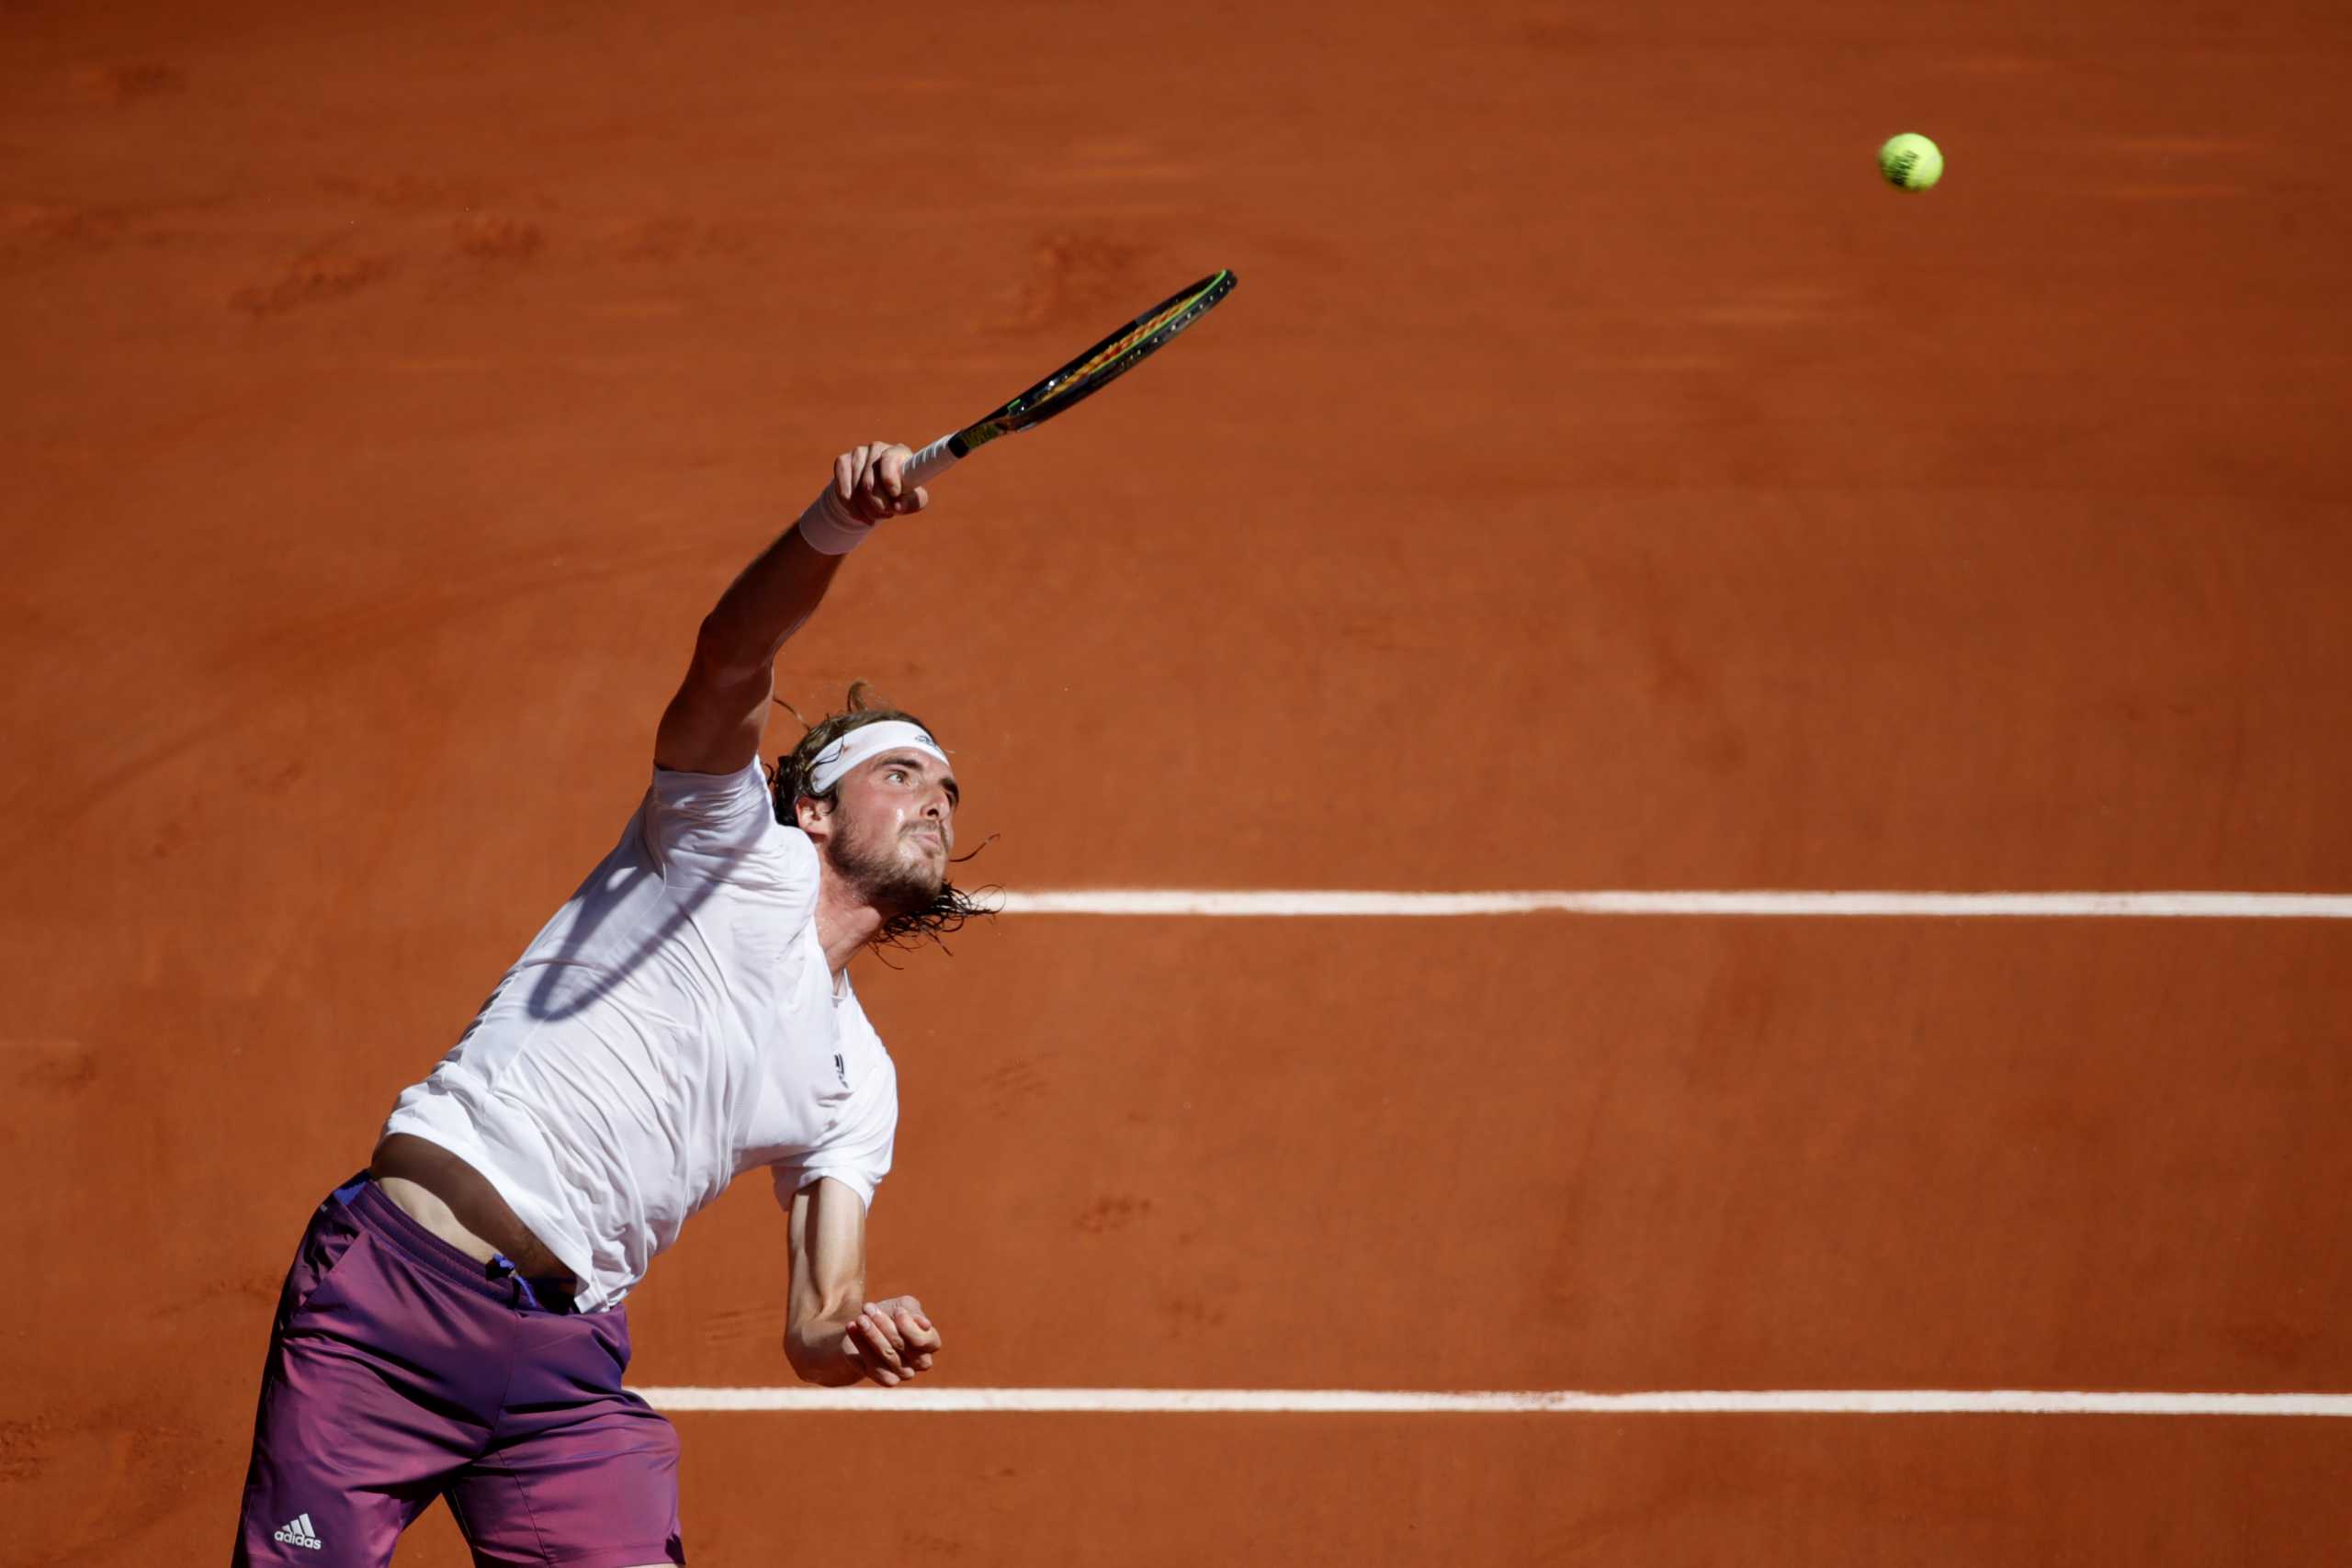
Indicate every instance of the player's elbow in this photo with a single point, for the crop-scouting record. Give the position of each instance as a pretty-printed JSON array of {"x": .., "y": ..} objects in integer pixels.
[{"x": 725, "y": 656}]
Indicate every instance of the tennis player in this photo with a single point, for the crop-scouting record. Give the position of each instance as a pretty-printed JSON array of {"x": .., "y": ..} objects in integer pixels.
[{"x": 452, "y": 1324}]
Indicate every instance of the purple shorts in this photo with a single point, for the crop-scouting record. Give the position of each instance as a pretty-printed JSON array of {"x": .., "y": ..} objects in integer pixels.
[{"x": 400, "y": 1371}]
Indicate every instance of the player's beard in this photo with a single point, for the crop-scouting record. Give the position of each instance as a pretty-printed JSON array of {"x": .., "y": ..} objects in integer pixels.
[{"x": 883, "y": 874}]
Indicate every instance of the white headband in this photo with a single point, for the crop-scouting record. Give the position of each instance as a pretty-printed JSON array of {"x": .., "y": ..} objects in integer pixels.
[{"x": 868, "y": 740}]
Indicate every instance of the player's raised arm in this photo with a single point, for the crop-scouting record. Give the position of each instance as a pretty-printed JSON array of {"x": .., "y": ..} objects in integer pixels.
[{"x": 714, "y": 724}]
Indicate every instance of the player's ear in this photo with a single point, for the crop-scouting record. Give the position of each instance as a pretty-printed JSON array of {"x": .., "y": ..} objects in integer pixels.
[{"x": 811, "y": 813}]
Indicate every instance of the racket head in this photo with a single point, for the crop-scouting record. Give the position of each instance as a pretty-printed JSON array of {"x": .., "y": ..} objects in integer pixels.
[{"x": 1100, "y": 365}]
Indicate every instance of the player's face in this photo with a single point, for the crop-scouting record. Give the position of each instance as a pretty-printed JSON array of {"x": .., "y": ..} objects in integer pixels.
[{"x": 893, "y": 827}]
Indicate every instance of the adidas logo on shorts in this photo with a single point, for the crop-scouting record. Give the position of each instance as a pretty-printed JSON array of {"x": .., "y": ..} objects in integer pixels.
[{"x": 299, "y": 1533}]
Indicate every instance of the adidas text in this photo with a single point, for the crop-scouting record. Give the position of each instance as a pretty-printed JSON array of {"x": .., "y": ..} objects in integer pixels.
[{"x": 298, "y": 1532}]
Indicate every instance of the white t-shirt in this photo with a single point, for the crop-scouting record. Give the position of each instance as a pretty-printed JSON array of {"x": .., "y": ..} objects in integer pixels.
[{"x": 674, "y": 1025}]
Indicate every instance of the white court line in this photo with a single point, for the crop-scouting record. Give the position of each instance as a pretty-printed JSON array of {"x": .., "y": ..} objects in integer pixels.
[
  {"x": 2030, "y": 906},
  {"x": 1360, "y": 1402},
  {"x": 1349, "y": 1402}
]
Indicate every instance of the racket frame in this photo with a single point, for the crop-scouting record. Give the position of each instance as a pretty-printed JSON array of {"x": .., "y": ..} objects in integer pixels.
[{"x": 1087, "y": 374}]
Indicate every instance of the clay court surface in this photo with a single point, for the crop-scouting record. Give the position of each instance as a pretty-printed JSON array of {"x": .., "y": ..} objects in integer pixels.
[{"x": 1599, "y": 480}]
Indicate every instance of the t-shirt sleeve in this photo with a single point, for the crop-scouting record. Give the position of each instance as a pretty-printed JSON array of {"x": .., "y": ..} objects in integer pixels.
[
  {"x": 722, "y": 826},
  {"x": 857, "y": 1152}
]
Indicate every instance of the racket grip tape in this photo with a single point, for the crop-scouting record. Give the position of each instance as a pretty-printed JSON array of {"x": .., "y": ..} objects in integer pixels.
[{"x": 930, "y": 462}]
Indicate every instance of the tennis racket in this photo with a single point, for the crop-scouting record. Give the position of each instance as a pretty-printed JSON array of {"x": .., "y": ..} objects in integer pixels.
[{"x": 1080, "y": 379}]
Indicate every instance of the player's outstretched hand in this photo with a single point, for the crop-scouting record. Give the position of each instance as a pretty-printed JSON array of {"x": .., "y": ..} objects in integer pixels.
[
  {"x": 893, "y": 1339},
  {"x": 871, "y": 480}
]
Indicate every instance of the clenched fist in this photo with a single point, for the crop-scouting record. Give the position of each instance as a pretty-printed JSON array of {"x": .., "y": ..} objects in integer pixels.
[
  {"x": 871, "y": 482},
  {"x": 892, "y": 1340}
]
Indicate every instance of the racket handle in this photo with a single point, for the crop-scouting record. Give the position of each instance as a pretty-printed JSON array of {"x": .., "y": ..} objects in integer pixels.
[{"x": 930, "y": 462}]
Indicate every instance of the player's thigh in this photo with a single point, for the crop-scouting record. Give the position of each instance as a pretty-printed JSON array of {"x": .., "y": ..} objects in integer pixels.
[
  {"x": 343, "y": 1459},
  {"x": 599, "y": 1490}
]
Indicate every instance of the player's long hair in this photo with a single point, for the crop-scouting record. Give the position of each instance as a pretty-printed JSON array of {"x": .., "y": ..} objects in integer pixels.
[{"x": 788, "y": 782}]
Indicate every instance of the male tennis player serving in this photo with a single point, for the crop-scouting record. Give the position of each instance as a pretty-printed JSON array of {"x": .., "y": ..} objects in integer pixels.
[{"x": 452, "y": 1324}]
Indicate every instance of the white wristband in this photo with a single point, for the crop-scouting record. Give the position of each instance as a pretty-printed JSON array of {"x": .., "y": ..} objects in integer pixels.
[{"x": 828, "y": 528}]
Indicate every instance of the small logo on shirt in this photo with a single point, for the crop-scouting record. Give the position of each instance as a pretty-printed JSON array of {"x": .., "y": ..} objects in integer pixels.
[
  {"x": 840, "y": 1069},
  {"x": 299, "y": 1532}
]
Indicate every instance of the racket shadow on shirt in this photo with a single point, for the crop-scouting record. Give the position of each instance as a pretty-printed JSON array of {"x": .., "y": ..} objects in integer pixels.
[{"x": 551, "y": 1000}]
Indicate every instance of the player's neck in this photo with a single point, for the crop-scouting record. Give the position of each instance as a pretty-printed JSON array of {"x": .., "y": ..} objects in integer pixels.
[{"x": 845, "y": 921}]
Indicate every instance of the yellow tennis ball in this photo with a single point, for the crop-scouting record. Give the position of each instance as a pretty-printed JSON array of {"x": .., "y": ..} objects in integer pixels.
[{"x": 1911, "y": 162}]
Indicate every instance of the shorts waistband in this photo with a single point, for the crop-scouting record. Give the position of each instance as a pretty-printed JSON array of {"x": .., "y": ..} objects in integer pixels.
[{"x": 496, "y": 1279}]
